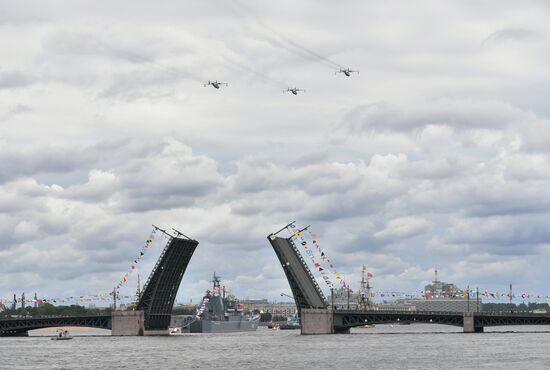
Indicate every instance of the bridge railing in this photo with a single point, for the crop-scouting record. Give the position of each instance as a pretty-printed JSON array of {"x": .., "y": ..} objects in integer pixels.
[
  {"x": 427, "y": 313},
  {"x": 53, "y": 316}
]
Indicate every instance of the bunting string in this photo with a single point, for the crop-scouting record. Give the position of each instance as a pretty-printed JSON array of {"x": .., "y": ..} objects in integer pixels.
[
  {"x": 460, "y": 294},
  {"x": 324, "y": 257},
  {"x": 486, "y": 295},
  {"x": 107, "y": 296},
  {"x": 297, "y": 234},
  {"x": 137, "y": 260},
  {"x": 202, "y": 307}
]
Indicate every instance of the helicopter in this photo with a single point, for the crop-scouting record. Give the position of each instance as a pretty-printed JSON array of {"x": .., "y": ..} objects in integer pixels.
[
  {"x": 216, "y": 84},
  {"x": 294, "y": 90},
  {"x": 346, "y": 71}
]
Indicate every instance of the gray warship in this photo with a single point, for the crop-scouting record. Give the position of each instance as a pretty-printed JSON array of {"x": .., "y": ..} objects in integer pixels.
[{"x": 219, "y": 313}]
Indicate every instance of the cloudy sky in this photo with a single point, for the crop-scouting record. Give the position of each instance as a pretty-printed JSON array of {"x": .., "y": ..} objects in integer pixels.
[{"x": 436, "y": 154}]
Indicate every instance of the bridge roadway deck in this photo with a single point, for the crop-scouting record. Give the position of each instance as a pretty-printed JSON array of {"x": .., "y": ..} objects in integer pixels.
[
  {"x": 21, "y": 325},
  {"x": 344, "y": 319}
]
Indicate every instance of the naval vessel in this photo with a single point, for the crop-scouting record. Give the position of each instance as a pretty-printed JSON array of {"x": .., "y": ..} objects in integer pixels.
[{"x": 221, "y": 313}]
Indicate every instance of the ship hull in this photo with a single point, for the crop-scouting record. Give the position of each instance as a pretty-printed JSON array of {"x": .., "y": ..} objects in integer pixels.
[{"x": 211, "y": 326}]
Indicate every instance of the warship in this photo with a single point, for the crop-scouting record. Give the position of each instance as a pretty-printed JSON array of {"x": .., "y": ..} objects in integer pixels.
[{"x": 221, "y": 313}]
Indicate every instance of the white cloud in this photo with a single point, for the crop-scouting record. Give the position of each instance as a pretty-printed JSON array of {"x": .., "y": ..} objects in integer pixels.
[
  {"x": 404, "y": 227},
  {"x": 435, "y": 154}
]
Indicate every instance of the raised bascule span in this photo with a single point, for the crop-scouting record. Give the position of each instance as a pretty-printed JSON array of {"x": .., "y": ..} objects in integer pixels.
[
  {"x": 154, "y": 306},
  {"x": 317, "y": 317},
  {"x": 305, "y": 289},
  {"x": 159, "y": 293}
]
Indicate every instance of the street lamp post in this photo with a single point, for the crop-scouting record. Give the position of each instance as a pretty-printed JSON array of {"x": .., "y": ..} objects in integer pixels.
[{"x": 286, "y": 295}]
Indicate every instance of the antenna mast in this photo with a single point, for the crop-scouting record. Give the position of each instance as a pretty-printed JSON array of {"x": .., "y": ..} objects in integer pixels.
[
  {"x": 138, "y": 291},
  {"x": 365, "y": 288}
]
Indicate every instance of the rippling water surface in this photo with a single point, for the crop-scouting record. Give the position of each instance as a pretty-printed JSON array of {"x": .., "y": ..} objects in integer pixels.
[{"x": 383, "y": 347}]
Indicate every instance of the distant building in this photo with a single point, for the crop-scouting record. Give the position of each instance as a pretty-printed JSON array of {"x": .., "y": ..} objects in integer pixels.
[
  {"x": 441, "y": 290},
  {"x": 186, "y": 306},
  {"x": 344, "y": 298},
  {"x": 444, "y": 304},
  {"x": 274, "y": 308},
  {"x": 444, "y": 297}
]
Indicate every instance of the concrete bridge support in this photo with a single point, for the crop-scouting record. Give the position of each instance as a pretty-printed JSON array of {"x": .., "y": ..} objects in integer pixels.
[
  {"x": 316, "y": 321},
  {"x": 469, "y": 323},
  {"x": 127, "y": 323}
]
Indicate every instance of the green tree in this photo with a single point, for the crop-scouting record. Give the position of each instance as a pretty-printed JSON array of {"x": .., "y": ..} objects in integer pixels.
[{"x": 265, "y": 317}]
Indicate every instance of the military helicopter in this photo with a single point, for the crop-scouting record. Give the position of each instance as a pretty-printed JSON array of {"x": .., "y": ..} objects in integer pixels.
[
  {"x": 346, "y": 71},
  {"x": 216, "y": 84},
  {"x": 293, "y": 90}
]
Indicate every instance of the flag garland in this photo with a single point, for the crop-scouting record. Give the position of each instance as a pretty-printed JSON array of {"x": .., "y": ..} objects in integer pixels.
[
  {"x": 202, "y": 307},
  {"x": 324, "y": 272},
  {"x": 324, "y": 257},
  {"x": 95, "y": 297},
  {"x": 83, "y": 298},
  {"x": 386, "y": 294},
  {"x": 137, "y": 260}
]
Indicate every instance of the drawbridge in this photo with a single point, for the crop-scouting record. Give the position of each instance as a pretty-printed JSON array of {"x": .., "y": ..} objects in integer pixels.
[
  {"x": 307, "y": 293},
  {"x": 159, "y": 293},
  {"x": 317, "y": 317},
  {"x": 156, "y": 301}
]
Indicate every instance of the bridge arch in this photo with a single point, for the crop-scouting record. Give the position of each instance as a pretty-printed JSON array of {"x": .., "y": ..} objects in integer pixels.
[
  {"x": 156, "y": 301},
  {"x": 20, "y": 326}
]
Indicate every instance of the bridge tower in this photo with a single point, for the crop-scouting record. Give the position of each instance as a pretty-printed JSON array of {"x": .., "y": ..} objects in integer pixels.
[{"x": 158, "y": 294}]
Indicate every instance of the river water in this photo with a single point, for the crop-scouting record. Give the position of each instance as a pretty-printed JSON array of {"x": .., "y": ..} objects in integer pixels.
[{"x": 419, "y": 346}]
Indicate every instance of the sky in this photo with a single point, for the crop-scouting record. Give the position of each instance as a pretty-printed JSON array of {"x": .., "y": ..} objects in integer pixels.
[{"x": 435, "y": 154}]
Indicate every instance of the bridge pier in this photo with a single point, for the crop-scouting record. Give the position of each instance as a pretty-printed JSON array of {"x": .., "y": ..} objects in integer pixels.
[
  {"x": 316, "y": 321},
  {"x": 469, "y": 324},
  {"x": 127, "y": 323}
]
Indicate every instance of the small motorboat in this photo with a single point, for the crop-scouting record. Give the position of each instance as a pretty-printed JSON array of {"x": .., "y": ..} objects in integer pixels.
[
  {"x": 62, "y": 335},
  {"x": 175, "y": 331}
]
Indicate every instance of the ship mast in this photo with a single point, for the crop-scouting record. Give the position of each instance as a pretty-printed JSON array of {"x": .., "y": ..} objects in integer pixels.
[
  {"x": 365, "y": 288},
  {"x": 138, "y": 291}
]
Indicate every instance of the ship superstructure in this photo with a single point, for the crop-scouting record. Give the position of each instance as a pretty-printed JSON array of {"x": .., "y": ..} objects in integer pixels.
[{"x": 221, "y": 312}]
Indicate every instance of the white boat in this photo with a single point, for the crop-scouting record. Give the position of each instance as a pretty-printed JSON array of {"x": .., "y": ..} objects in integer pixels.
[
  {"x": 62, "y": 335},
  {"x": 175, "y": 331}
]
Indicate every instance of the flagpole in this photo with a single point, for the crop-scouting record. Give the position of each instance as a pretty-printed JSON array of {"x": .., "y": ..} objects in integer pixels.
[
  {"x": 468, "y": 288},
  {"x": 477, "y": 298}
]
